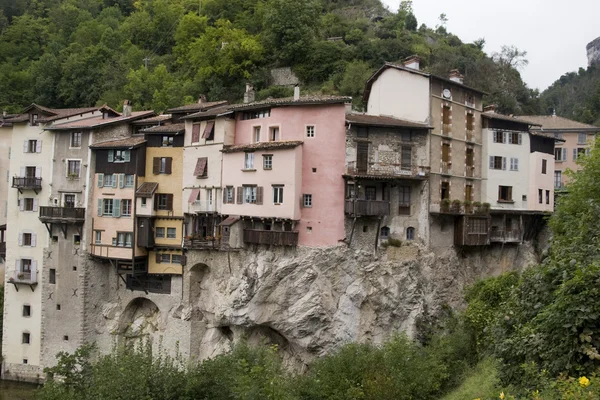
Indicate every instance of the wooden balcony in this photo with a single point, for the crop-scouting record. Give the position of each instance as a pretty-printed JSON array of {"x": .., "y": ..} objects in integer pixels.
[
  {"x": 62, "y": 214},
  {"x": 367, "y": 208},
  {"x": 382, "y": 171},
  {"x": 201, "y": 244},
  {"x": 504, "y": 236},
  {"x": 276, "y": 238},
  {"x": 27, "y": 183}
]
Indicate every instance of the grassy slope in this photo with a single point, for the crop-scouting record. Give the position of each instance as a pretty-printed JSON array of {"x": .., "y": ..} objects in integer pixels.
[{"x": 480, "y": 384}]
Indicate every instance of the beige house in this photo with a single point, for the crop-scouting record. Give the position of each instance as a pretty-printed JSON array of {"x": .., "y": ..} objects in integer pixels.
[{"x": 577, "y": 136}]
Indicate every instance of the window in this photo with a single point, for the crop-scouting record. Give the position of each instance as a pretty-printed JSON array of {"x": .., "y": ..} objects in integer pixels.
[
  {"x": 52, "y": 277},
  {"x": 229, "y": 195},
  {"x": 144, "y": 202},
  {"x": 468, "y": 192},
  {"x": 108, "y": 207},
  {"x": 73, "y": 168},
  {"x": 249, "y": 161},
  {"x": 578, "y": 152},
  {"x": 163, "y": 165},
  {"x": 541, "y": 196},
  {"x": 160, "y": 232},
  {"x": 98, "y": 237},
  {"x": 406, "y": 154},
  {"x": 445, "y": 153},
  {"x": 75, "y": 139},
  {"x": 514, "y": 164},
  {"x": 362, "y": 156},
  {"x": 129, "y": 181},
  {"x": 33, "y": 119},
  {"x": 66, "y": 337},
  {"x": 171, "y": 233},
  {"x": 256, "y": 114},
  {"x": 310, "y": 131},
  {"x": 249, "y": 194},
  {"x": 167, "y": 141},
  {"x": 28, "y": 204},
  {"x": 209, "y": 196},
  {"x": 26, "y": 338},
  {"x": 58, "y": 307},
  {"x": 505, "y": 193},
  {"x": 557, "y": 179},
  {"x": 165, "y": 258},
  {"x": 404, "y": 200},
  {"x": 514, "y": 138},
  {"x": 31, "y": 146},
  {"x": 547, "y": 197},
  {"x": 410, "y": 233},
  {"x": 544, "y": 166},
  {"x": 370, "y": 193},
  {"x": 277, "y": 194},
  {"x": 69, "y": 200},
  {"x": 268, "y": 161},
  {"x": 119, "y": 156},
  {"x": 307, "y": 200},
  {"x": 384, "y": 233},
  {"x": 499, "y": 137},
  {"x": 446, "y": 115},
  {"x": 581, "y": 138},
  {"x": 163, "y": 202},
  {"x": 560, "y": 154},
  {"x": 124, "y": 239},
  {"x": 126, "y": 207},
  {"x": 497, "y": 162},
  {"x": 176, "y": 259},
  {"x": 445, "y": 190},
  {"x": 274, "y": 133},
  {"x": 470, "y": 122},
  {"x": 26, "y": 310},
  {"x": 27, "y": 239},
  {"x": 26, "y": 266},
  {"x": 110, "y": 180},
  {"x": 256, "y": 134},
  {"x": 470, "y": 158}
]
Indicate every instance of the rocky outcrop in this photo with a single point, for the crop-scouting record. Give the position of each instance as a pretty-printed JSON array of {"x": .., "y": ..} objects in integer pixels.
[
  {"x": 307, "y": 301},
  {"x": 593, "y": 52}
]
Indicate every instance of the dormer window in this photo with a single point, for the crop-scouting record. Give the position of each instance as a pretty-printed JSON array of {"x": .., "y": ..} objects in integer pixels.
[
  {"x": 33, "y": 119},
  {"x": 105, "y": 115},
  {"x": 167, "y": 141}
]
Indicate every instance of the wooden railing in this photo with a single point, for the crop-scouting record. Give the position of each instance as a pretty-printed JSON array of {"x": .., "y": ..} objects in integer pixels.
[
  {"x": 62, "y": 213},
  {"x": 504, "y": 236},
  {"x": 276, "y": 238},
  {"x": 367, "y": 208},
  {"x": 26, "y": 183},
  {"x": 199, "y": 244}
]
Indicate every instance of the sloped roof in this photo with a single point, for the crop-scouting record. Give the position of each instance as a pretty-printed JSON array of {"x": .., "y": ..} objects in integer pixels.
[
  {"x": 98, "y": 121},
  {"x": 289, "y": 101},
  {"x": 147, "y": 189},
  {"x": 196, "y": 107},
  {"x": 56, "y": 113},
  {"x": 510, "y": 118},
  {"x": 554, "y": 122},
  {"x": 280, "y": 145},
  {"x": 172, "y": 128},
  {"x": 153, "y": 120},
  {"x": 130, "y": 142},
  {"x": 375, "y": 120},
  {"x": 213, "y": 112}
]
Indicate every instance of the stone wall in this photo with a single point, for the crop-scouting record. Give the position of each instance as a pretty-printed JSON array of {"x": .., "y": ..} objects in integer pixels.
[{"x": 593, "y": 52}]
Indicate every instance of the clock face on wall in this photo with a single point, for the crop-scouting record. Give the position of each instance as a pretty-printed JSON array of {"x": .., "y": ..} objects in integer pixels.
[{"x": 447, "y": 93}]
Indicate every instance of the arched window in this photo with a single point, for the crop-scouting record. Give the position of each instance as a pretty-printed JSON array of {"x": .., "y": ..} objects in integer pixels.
[
  {"x": 410, "y": 233},
  {"x": 384, "y": 233}
]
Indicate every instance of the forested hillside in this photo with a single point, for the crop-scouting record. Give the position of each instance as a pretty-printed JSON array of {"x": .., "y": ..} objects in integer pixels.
[
  {"x": 575, "y": 95},
  {"x": 163, "y": 53}
]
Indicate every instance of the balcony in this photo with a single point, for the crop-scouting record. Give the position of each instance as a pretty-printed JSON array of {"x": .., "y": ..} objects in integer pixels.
[
  {"x": 62, "y": 214},
  {"x": 388, "y": 171},
  {"x": 276, "y": 238},
  {"x": 506, "y": 236},
  {"x": 28, "y": 278},
  {"x": 203, "y": 206},
  {"x": 27, "y": 183},
  {"x": 367, "y": 208},
  {"x": 201, "y": 243}
]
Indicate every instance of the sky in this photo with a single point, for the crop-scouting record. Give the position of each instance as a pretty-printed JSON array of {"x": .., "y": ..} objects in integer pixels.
[{"x": 553, "y": 33}]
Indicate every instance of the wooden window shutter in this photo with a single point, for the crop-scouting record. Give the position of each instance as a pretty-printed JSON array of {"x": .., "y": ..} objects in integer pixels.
[
  {"x": 158, "y": 258},
  {"x": 195, "y": 133},
  {"x": 99, "y": 207},
  {"x": 170, "y": 202},
  {"x": 168, "y": 167},
  {"x": 509, "y": 193},
  {"x": 259, "y": 195},
  {"x": 224, "y": 195},
  {"x": 156, "y": 165},
  {"x": 208, "y": 130},
  {"x": 183, "y": 259},
  {"x": 240, "y": 195},
  {"x": 100, "y": 180},
  {"x": 156, "y": 197}
]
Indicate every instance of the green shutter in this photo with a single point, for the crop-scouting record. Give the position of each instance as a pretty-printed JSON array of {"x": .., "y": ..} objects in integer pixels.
[
  {"x": 100, "y": 180},
  {"x": 115, "y": 178},
  {"x": 99, "y": 207},
  {"x": 111, "y": 155},
  {"x": 121, "y": 181},
  {"x": 117, "y": 208}
]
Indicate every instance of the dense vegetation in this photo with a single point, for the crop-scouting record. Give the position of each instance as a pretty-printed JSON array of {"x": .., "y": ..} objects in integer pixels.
[{"x": 163, "y": 53}]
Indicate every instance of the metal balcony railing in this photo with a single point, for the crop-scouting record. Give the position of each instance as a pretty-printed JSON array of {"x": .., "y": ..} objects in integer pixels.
[{"x": 27, "y": 183}]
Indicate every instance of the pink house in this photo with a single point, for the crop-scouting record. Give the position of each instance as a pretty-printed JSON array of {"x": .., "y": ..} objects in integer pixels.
[{"x": 283, "y": 175}]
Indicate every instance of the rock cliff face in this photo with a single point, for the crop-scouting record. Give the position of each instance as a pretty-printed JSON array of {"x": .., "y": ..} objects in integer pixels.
[
  {"x": 308, "y": 301},
  {"x": 593, "y": 52}
]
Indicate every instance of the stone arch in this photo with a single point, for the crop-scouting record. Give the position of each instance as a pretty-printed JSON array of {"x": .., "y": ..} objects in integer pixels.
[
  {"x": 139, "y": 320},
  {"x": 196, "y": 278}
]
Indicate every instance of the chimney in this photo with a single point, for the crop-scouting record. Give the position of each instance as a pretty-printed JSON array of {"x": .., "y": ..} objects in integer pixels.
[
  {"x": 4, "y": 114},
  {"x": 456, "y": 76},
  {"x": 249, "y": 95},
  {"x": 554, "y": 112},
  {"x": 202, "y": 99},
  {"x": 296, "y": 92},
  {"x": 126, "y": 108},
  {"x": 491, "y": 108},
  {"x": 412, "y": 62}
]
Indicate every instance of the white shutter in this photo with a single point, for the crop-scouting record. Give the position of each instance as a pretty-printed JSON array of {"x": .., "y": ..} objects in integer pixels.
[
  {"x": 517, "y": 161},
  {"x": 491, "y": 162},
  {"x": 38, "y": 146},
  {"x": 520, "y": 139},
  {"x": 20, "y": 239},
  {"x": 35, "y": 204},
  {"x": 33, "y": 269},
  {"x": 33, "y": 240},
  {"x": 564, "y": 154},
  {"x": 38, "y": 172},
  {"x": 25, "y": 146},
  {"x": 504, "y": 163},
  {"x": 504, "y": 135}
]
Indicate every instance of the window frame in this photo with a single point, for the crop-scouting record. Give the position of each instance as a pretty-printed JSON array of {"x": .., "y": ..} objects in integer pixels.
[
  {"x": 307, "y": 200},
  {"x": 505, "y": 190},
  {"x": 267, "y": 161},
  {"x": 277, "y": 194},
  {"x": 75, "y": 138},
  {"x": 310, "y": 131},
  {"x": 160, "y": 232},
  {"x": 124, "y": 208},
  {"x": 32, "y": 145},
  {"x": 171, "y": 233},
  {"x": 250, "y": 194},
  {"x": 105, "y": 205},
  {"x": 249, "y": 160},
  {"x": 75, "y": 162}
]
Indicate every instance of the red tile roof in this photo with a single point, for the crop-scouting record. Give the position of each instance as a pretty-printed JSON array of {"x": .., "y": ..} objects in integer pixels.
[
  {"x": 262, "y": 146},
  {"x": 289, "y": 101},
  {"x": 98, "y": 121},
  {"x": 153, "y": 120},
  {"x": 172, "y": 128},
  {"x": 147, "y": 189},
  {"x": 130, "y": 142},
  {"x": 374, "y": 120},
  {"x": 196, "y": 107},
  {"x": 554, "y": 122}
]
